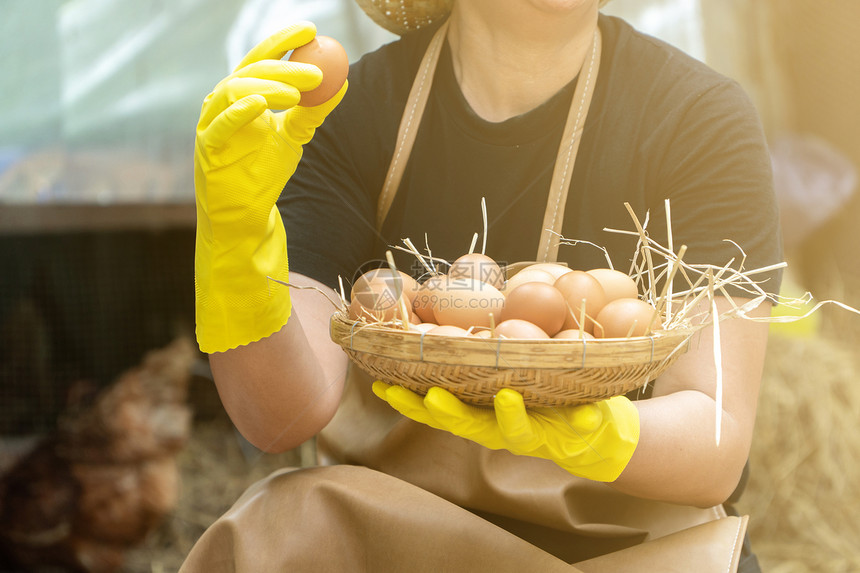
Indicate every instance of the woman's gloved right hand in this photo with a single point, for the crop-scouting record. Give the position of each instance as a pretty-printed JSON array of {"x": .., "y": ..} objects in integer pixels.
[{"x": 244, "y": 153}]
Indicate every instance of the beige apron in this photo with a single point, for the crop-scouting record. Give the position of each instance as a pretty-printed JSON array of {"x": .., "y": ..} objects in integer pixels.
[
  {"x": 410, "y": 498},
  {"x": 507, "y": 489}
]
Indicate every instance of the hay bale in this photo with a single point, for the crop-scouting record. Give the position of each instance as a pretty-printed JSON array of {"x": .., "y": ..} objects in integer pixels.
[{"x": 804, "y": 488}]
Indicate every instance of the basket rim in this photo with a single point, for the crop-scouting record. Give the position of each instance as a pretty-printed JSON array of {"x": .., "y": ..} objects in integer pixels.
[{"x": 546, "y": 354}]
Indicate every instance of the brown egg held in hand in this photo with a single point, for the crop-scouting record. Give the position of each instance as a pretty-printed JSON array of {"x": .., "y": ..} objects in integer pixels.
[
  {"x": 329, "y": 56},
  {"x": 577, "y": 286},
  {"x": 625, "y": 317},
  {"x": 538, "y": 303},
  {"x": 615, "y": 283}
]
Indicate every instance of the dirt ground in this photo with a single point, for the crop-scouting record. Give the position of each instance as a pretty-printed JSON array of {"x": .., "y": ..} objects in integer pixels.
[{"x": 802, "y": 496}]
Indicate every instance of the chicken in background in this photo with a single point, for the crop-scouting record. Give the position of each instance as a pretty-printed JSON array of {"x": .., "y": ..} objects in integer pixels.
[{"x": 105, "y": 478}]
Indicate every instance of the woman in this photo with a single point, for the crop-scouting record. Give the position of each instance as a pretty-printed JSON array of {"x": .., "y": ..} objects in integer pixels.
[{"x": 509, "y": 74}]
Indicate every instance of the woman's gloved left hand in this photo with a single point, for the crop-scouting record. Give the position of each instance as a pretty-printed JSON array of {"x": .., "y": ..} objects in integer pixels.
[{"x": 594, "y": 441}]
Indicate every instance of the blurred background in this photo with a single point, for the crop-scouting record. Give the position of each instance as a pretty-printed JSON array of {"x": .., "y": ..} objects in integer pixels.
[{"x": 100, "y": 100}]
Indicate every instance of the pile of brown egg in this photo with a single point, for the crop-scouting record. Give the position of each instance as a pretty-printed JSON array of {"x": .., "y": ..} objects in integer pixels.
[{"x": 541, "y": 301}]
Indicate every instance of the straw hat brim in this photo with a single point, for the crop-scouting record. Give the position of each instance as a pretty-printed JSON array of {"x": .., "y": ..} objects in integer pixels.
[{"x": 403, "y": 16}]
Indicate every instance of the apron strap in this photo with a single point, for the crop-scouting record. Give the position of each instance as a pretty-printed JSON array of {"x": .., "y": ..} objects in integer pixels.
[
  {"x": 561, "y": 175},
  {"x": 565, "y": 160},
  {"x": 409, "y": 124}
]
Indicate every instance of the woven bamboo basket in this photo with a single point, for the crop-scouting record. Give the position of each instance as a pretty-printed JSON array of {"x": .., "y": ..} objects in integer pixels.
[
  {"x": 551, "y": 372},
  {"x": 546, "y": 372}
]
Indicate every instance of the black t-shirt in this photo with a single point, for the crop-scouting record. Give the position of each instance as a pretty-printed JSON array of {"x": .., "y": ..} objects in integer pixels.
[{"x": 661, "y": 125}]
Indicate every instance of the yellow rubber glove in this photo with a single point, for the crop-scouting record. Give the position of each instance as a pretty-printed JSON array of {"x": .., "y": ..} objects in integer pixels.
[
  {"x": 594, "y": 441},
  {"x": 243, "y": 156}
]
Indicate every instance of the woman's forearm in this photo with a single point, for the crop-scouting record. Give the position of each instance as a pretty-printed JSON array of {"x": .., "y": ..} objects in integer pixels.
[
  {"x": 283, "y": 389},
  {"x": 677, "y": 459}
]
